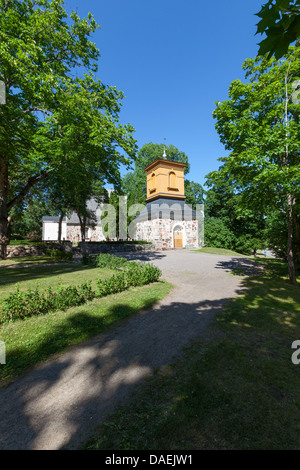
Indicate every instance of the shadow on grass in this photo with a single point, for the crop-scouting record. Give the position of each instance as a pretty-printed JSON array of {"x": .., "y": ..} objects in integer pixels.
[
  {"x": 15, "y": 275},
  {"x": 19, "y": 274},
  {"x": 59, "y": 404},
  {"x": 78, "y": 389},
  {"x": 270, "y": 301},
  {"x": 238, "y": 391},
  {"x": 241, "y": 266}
]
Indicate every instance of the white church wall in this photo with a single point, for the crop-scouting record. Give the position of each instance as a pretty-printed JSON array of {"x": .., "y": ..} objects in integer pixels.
[{"x": 50, "y": 230}]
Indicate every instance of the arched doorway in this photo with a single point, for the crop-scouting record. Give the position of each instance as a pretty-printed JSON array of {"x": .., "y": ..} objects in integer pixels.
[{"x": 178, "y": 236}]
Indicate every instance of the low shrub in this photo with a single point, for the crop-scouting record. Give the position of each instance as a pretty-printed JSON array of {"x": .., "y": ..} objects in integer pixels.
[
  {"x": 87, "y": 259},
  {"x": 119, "y": 242},
  {"x": 134, "y": 274},
  {"x": 59, "y": 255},
  {"x": 22, "y": 304},
  {"x": 106, "y": 260}
]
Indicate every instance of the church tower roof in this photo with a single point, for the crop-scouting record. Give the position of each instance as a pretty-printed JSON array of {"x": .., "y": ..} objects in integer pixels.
[{"x": 165, "y": 179}]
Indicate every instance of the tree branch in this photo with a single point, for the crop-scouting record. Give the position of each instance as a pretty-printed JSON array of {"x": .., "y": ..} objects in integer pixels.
[{"x": 32, "y": 181}]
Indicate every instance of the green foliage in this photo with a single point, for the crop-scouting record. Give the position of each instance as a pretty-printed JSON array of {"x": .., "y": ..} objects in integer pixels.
[
  {"x": 114, "y": 216},
  {"x": 87, "y": 259},
  {"x": 260, "y": 126},
  {"x": 150, "y": 152},
  {"x": 106, "y": 260},
  {"x": 59, "y": 255},
  {"x": 20, "y": 242},
  {"x": 27, "y": 220},
  {"x": 226, "y": 225},
  {"x": 54, "y": 122},
  {"x": 22, "y": 304},
  {"x": 280, "y": 21},
  {"x": 247, "y": 244},
  {"x": 194, "y": 193},
  {"x": 276, "y": 235},
  {"x": 217, "y": 234},
  {"x": 133, "y": 274}
]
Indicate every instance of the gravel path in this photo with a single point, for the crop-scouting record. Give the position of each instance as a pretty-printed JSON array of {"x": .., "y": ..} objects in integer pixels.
[{"x": 59, "y": 403}]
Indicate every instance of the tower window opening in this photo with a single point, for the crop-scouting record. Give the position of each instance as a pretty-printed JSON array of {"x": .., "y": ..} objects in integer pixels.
[
  {"x": 152, "y": 184},
  {"x": 172, "y": 180}
]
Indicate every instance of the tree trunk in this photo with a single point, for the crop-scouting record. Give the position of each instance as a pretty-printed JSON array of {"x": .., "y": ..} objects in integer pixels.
[
  {"x": 297, "y": 235},
  {"x": 82, "y": 221},
  {"x": 290, "y": 256},
  {"x": 4, "y": 239},
  {"x": 60, "y": 227}
]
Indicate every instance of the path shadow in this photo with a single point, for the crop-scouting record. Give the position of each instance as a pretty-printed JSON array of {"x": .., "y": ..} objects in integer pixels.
[
  {"x": 147, "y": 256},
  {"x": 58, "y": 404},
  {"x": 241, "y": 266}
]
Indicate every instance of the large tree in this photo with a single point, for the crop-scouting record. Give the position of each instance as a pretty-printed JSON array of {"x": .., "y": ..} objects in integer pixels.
[
  {"x": 53, "y": 120},
  {"x": 280, "y": 21},
  {"x": 259, "y": 124},
  {"x": 226, "y": 225}
]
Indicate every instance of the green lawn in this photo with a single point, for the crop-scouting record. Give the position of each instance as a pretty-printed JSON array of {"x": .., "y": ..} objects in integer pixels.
[
  {"x": 238, "y": 390},
  {"x": 218, "y": 251},
  {"x": 35, "y": 339},
  {"x": 28, "y": 260},
  {"x": 25, "y": 242},
  {"x": 48, "y": 276}
]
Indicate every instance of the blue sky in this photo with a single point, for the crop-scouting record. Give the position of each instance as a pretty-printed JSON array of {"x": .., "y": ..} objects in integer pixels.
[{"x": 173, "y": 60}]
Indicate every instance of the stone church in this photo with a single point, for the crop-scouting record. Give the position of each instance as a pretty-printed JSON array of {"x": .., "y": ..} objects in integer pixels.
[{"x": 167, "y": 221}]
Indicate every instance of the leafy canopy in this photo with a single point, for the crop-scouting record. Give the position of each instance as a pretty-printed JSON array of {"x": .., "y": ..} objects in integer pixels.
[
  {"x": 53, "y": 118},
  {"x": 280, "y": 21}
]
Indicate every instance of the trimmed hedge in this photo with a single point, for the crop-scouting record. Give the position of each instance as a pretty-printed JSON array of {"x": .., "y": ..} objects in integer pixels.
[
  {"x": 133, "y": 274},
  {"x": 19, "y": 305},
  {"x": 106, "y": 260},
  {"x": 23, "y": 304},
  {"x": 59, "y": 255}
]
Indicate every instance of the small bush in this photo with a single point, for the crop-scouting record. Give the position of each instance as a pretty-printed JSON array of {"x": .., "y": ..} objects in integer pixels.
[
  {"x": 87, "y": 259},
  {"x": 19, "y": 305},
  {"x": 119, "y": 242},
  {"x": 134, "y": 274},
  {"x": 59, "y": 255},
  {"x": 16, "y": 236},
  {"x": 22, "y": 304},
  {"x": 106, "y": 260}
]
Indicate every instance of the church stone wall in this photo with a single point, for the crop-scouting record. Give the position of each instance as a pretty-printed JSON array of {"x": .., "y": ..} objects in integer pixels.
[
  {"x": 74, "y": 233},
  {"x": 160, "y": 232}
]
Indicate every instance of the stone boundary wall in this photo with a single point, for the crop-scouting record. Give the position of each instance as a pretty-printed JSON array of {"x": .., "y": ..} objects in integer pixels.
[
  {"x": 14, "y": 251},
  {"x": 93, "y": 248}
]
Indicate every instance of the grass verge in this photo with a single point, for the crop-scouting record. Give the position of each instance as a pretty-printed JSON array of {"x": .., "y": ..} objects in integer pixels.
[
  {"x": 218, "y": 251},
  {"x": 28, "y": 260},
  {"x": 44, "y": 277},
  {"x": 37, "y": 338},
  {"x": 239, "y": 390}
]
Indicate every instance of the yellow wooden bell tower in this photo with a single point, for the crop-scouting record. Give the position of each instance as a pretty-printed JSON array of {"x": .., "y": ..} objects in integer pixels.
[{"x": 165, "y": 179}]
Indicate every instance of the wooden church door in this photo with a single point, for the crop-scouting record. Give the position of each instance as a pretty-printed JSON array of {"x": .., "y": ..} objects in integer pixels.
[{"x": 178, "y": 239}]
